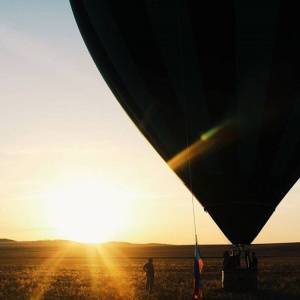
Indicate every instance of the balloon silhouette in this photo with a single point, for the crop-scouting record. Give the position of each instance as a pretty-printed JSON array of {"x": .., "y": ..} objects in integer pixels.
[{"x": 214, "y": 87}]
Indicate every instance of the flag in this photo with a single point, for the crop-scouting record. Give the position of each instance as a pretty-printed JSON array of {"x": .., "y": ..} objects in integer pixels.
[{"x": 198, "y": 266}]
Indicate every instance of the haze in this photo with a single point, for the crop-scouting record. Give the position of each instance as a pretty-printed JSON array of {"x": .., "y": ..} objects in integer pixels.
[{"x": 72, "y": 164}]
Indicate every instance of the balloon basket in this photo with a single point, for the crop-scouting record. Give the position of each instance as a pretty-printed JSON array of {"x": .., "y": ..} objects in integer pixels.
[
  {"x": 238, "y": 273},
  {"x": 239, "y": 280}
]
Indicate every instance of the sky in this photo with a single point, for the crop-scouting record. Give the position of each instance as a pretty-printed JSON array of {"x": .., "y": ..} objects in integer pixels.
[{"x": 72, "y": 164}]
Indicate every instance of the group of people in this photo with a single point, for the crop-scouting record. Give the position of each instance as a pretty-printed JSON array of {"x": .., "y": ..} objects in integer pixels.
[{"x": 233, "y": 261}]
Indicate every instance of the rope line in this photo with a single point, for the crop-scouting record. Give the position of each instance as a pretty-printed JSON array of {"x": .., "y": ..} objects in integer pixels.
[{"x": 185, "y": 115}]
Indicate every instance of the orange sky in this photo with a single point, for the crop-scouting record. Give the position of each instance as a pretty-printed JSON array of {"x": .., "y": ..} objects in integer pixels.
[{"x": 72, "y": 163}]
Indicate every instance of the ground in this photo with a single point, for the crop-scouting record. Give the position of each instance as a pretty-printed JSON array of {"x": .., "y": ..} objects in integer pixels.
[{"x": 62, "y": 270}]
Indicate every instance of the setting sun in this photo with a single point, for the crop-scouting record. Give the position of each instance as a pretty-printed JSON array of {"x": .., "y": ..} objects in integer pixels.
[{"x": 87, "y": 211}]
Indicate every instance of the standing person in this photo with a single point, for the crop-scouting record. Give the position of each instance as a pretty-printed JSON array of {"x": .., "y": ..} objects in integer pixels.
[
  {"x": 225, "y": 260},
  {"x": 237, "y": 259},
  {"x": 247, "y": 259},
  {"x": 149, "y": 269},
  {"x": 254, "y": 262}
]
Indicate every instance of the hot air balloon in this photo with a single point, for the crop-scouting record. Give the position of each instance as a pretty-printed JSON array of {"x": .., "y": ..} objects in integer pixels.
[{"x": 214, "y": 87}]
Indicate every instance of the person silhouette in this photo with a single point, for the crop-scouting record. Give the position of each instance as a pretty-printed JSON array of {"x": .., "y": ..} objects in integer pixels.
[
  {"x": 254, "y": 262},
  {"x": 149, "y": 269},
  {"x": 228, "y": 261}
]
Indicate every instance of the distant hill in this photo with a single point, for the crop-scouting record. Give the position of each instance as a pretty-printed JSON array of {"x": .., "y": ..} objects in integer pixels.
[
  {"x": 46, "y": 248},
  {"x": 126, "y": 244},
  {"x": 125, "y": 249},
  {"x": 6, "y": 241}
]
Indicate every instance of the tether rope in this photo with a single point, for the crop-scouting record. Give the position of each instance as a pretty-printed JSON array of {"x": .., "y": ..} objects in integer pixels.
[{"x": 185, "y": 116}]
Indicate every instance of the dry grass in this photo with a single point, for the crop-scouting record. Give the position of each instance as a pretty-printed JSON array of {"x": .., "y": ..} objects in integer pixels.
[{"x": 65, "y": 273}]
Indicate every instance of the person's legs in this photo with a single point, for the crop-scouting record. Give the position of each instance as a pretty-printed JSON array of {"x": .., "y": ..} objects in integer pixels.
[
  {"x": 151, "y": 284},
  {"x": 147, "y": 284}
]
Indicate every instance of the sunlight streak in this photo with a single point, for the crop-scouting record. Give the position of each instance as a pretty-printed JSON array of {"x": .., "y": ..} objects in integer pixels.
[
  {"x": 50, "y": 266},
  {"x": 112, "y": 258},
  {"x": 92, "y": 258},
  {"x": 218, "y": 135}
]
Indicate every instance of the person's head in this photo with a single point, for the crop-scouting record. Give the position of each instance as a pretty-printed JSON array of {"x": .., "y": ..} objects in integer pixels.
[
  {"x": 150, "y": 260},
  {"x": 253, "y": 254}
]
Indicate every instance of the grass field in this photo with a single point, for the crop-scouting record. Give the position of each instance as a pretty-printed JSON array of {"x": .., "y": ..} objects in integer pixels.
[{"x": 64, "y": 270}]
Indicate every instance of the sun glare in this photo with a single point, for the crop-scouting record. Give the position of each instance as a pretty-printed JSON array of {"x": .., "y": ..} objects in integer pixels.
[{"x": 87, "y": 211}]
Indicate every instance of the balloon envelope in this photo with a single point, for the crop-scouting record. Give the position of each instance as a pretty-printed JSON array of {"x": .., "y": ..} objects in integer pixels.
[{"x": 214, "y": 87}]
